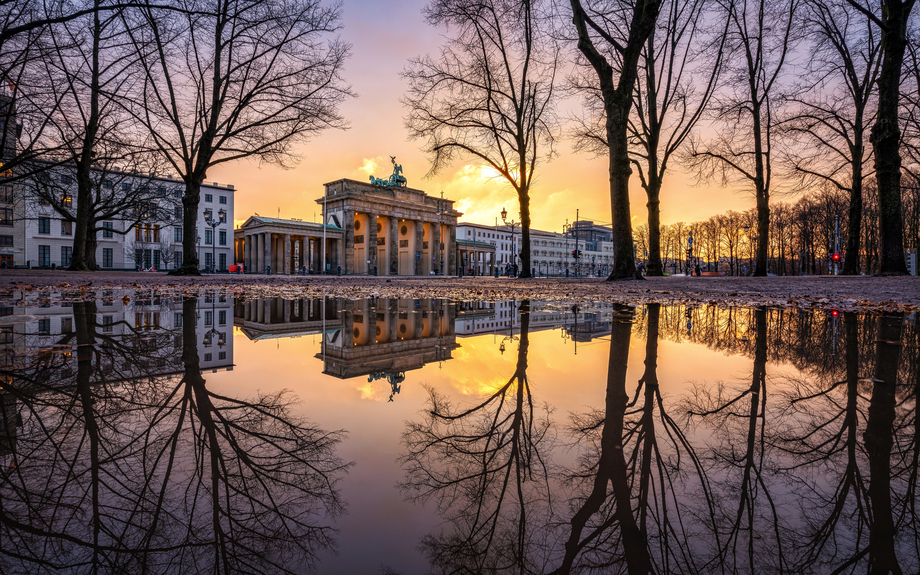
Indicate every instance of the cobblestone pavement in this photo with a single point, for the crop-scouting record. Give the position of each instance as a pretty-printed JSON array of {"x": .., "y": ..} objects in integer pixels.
[{"x": 841, "y": 293}]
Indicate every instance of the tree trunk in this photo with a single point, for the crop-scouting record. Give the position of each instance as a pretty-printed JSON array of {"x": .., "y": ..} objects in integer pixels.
[
  {"x": 879, "y": 441},
  {"x": 190, "y": 200},
  {"x": 624, "y": 262},
  {"x": 84, "y": 162},
  {"x": 524, "y": 200},
  {"x": 886, "y": 137}
]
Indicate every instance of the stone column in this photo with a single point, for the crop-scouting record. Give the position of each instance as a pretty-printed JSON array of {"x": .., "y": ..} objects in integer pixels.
[
  {"x": 266, "y": 311},
  {"x": 348, "y": 264},
  {"x": 287, "y": 309},
  {"x": 371, "y": 243},
  {"x": 435, "y": 247},
  {"x": 247, "y": 250},
  {"x": 255, "y": 253},
  {"x": 287, "y": 253},
  {"x": 450, "y": 247},
  {"x": 267, "y": 252},
  {"x": 393, "y": 241},
  {"x": 419, "y": 239}
]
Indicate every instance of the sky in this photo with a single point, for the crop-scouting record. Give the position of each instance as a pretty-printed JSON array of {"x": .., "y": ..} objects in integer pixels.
[{"x": 384, "y": 36}]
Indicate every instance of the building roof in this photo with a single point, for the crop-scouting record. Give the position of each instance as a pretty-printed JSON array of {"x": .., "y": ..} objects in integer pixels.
[
  {"x": 476, "y": 243},
  {"x": 279, "y": 221}
]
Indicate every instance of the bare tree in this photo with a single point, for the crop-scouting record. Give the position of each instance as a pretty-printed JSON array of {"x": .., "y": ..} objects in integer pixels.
[
  {"x": 623, "y": 28},
  {"x": 832, "y": 116},
  {"x": 886, "y": 133},
  {"x": 484, "y": 466},
  {"x": 225, "y": 81},
  {"x": 678, "y": 73},
  {"x": 760, "y": 37},
  {"x": 489, "y": 95}
]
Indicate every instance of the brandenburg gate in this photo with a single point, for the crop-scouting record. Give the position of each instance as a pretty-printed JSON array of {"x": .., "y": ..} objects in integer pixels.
[{"x": 380, "y": 227}]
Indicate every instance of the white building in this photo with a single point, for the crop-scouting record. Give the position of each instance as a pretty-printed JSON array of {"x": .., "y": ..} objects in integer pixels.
[
  {"x": 157, "y": 242},
  {"x": 159, "y": 320},
  {"x": 551, "y": 252}
]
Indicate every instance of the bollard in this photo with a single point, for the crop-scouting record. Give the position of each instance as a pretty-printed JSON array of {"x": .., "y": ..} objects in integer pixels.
[
  {"x": 339, "y": 270},
  {"x": 268, "y": 270},
  {"x": 375, "y": 269}
]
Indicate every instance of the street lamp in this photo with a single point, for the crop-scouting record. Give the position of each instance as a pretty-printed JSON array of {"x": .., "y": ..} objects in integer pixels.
[
  {"x": 441, "y": 241},
  {"x": 212, "y": 223},
  {"x": 565, "y": 232},
  {"x": 512, "y": 223}
]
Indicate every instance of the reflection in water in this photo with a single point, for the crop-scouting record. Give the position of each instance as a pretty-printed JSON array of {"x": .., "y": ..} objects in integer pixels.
[
  {"x": 117, "y": 456},
  {"x": 484, "y": 468},
  {"x": 123, "y": 466}
]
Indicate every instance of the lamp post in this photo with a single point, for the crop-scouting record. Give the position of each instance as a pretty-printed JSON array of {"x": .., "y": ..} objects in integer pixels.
[
  {"x": 565, "y": 232},
  {"x": 212, "y": 223},
  {"x": 512, "y": 223},
  {"x": 441, "y": 241}
]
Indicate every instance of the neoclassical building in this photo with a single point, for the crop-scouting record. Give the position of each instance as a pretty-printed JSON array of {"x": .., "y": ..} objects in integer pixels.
[{"x": 369, "y": 228}]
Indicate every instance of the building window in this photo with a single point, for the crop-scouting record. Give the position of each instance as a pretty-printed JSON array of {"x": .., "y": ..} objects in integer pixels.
[
  {"x": 66, "y": 325},
  {"x": 66, "y": 200},
  {"x": 126, "y": 187},
  {"x": 66, "y": 228},
  {"x": 6, "y": 241},
  {"x": 107, "y": 228},
  {"x": 208, "y": 237},
  {"x": 6, "y": 194},
  {"x": 177, "y": 213},
  {"x": 107, "y": 185},
  {"x": 44, "y": 326},
  {"x": 44, "y": 225},
  {"x": 208, "y": 318},
  {"x": 6, "y": 217},
  {"x": 177, "y": 320},
  {"x": 208, "y": 198},
  {"x": 177, "y": 192},
  {"x": 222, "y": 199},
  {"x": 177, "y": 234},
  {"x": 222, "y": 238},
  {"x": 178, "y": 259},
  {"x": 44, "y": 256},
  {"x": 207, "y": 357},
  {"x": 106, "y": 257},
  {"x": 106, "y": 323},
  {"x": 222, "y": 260},
  {"x": 222, "y": 355},
  {"x": 208, "y": 260},
  {"x": 222, "y": 317},
  {"x": 66, "y": 255}
]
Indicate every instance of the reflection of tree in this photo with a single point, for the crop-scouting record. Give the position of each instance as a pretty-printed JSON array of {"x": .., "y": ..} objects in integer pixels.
[
  {"x": 635, "y": 521},
  {"x": 749, "y": 522},
  {"x": 159, "y": 474},
  {"x": 483, "y": 467}
]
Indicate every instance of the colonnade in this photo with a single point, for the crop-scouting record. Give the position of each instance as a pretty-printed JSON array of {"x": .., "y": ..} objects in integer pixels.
[
  {"x": 386, "y": 244},
  {"x": 287, "y": 253}
]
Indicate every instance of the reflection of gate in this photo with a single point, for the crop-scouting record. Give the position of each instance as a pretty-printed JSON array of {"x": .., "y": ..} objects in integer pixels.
[{"x": 6, "y": 260}]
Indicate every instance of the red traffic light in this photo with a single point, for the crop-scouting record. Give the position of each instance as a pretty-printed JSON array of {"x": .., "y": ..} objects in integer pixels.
[{"x": 836, "y": 257}]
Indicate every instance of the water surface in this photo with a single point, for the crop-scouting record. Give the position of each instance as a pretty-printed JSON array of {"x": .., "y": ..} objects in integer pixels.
[{"x": 146, "y": 435}]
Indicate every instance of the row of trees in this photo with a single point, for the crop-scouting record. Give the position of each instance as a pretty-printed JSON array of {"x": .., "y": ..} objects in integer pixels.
[
  {"x": 804, "y": 473},
  {"x": 101, "y": 90},
  {"x": 804, "y": 236},
  {"x": 785, "y": 96}
]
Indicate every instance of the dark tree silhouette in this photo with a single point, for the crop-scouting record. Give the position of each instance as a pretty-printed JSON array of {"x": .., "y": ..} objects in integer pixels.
[
  {"x": 484, "y": 466},
  {"x": 490, "y": 94},
  {"x": 622, "y": 31},
  {"x": 155, "y": 473}
]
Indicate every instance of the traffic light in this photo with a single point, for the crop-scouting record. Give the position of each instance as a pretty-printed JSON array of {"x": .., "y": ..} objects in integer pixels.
[
  {"x": 575, "y": 253},
  {"x": 836, "y": 257}
]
